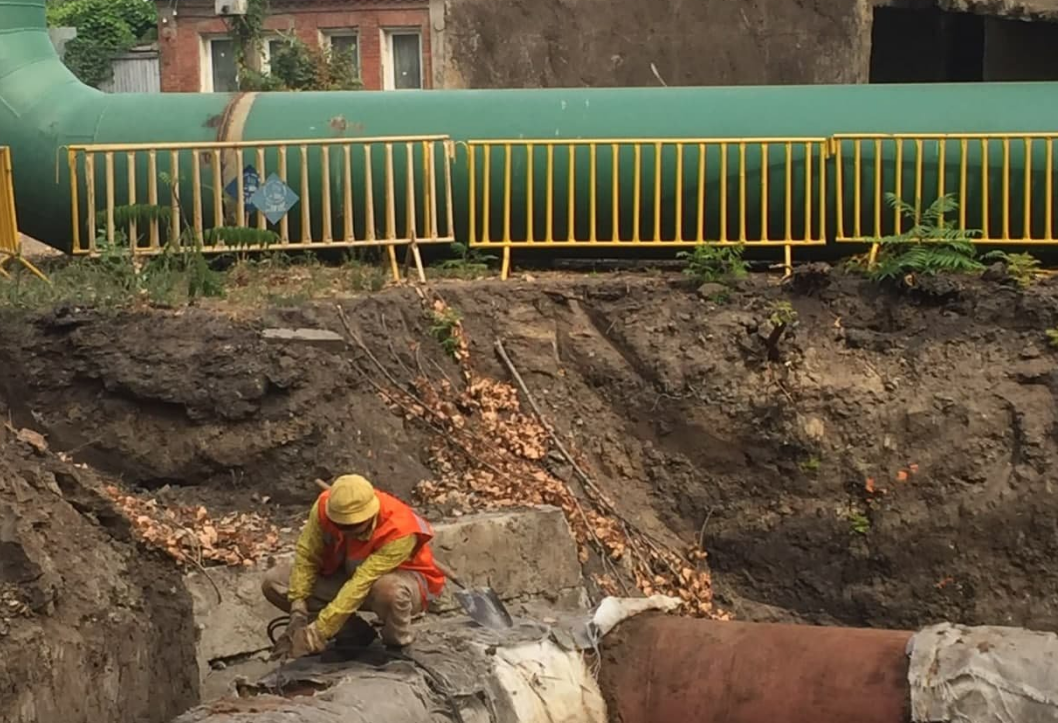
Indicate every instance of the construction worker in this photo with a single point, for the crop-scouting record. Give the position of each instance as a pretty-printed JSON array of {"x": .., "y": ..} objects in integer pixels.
[{"x": 359, "y": 549}]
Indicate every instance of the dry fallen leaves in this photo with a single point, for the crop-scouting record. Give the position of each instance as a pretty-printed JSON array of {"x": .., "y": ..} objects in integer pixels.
[
  {"x": 190, "y": 535},
  {"x": 490, "y": 457}
]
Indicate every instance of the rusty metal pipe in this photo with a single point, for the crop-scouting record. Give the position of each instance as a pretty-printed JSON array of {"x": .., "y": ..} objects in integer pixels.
[{"x": 664, "y": 669}]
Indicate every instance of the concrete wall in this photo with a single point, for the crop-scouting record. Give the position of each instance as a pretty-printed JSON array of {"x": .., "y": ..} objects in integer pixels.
[
  {"x": 574, "y": 43},
  {"x": 60, "y": 37}
]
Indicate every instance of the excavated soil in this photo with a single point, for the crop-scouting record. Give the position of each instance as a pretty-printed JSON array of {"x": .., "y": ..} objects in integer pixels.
[
  {"x": 887, "y": 463},
  {"x": 92, "y": 627}
]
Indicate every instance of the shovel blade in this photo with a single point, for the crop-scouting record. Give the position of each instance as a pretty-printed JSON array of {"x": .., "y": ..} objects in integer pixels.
[{"x": 485, "y": 608}]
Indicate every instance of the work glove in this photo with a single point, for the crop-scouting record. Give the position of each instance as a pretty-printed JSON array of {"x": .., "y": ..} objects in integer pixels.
[
  {"x": 307, "y": 641},
  {"x": 299, "y": 619},
  {"x": 299, "y": 616}
]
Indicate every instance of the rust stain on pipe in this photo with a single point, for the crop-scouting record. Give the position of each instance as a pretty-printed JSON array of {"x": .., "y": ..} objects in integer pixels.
[{"x": 664, "y": 669}]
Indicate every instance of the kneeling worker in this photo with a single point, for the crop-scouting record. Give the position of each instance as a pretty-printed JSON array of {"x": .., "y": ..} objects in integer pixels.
[{"x": 360, "y": 549}]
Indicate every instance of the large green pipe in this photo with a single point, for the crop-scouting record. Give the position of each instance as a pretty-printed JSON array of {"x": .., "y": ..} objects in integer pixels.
[{"x": 43, "y": 108}]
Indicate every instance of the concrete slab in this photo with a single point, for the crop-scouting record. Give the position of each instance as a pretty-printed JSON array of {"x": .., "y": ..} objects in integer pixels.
[
  {"x": 34, "y": 250},
  {"x": 529, "y": 557},
  {"x": 237, "y": 624},
  {"x": 524, "y": 556},
  {"x": 312, "y": 337}
]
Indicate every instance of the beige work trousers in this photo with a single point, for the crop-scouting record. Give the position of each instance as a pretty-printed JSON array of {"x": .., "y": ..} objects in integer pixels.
[{"x": 395, "y": 598}]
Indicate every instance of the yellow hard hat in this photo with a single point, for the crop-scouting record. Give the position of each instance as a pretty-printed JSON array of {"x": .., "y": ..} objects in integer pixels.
[{"x": 352, "y": 500}]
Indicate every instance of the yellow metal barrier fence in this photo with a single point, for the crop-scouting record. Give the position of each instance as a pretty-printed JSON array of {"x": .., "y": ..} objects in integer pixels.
[
  {"x": 10, "y": 239},
  {"x": 1007, "y": 179},
  {"x": 391, "y": 191},
  {"x": 746, "y": 191}
]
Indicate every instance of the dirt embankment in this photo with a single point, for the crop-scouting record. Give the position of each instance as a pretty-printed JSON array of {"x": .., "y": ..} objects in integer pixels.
[
  {"x": 887, "y": 464},
  {"x": 92, "y": 628}
]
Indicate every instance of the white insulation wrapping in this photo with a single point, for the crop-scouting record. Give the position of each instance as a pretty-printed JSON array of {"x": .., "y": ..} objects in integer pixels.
[
  {"x": 455, "y": 672},
  {"x": 983, "y": 674}
]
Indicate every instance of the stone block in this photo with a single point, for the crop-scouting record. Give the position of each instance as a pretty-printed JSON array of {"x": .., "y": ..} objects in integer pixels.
[
  {"x": 237, "y": 624},
  {"x": 524, "y": 555},
  {"x": 312, "y": 337}
]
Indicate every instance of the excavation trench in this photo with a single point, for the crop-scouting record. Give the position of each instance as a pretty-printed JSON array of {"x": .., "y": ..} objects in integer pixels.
[{"x": 885, "y": 464}]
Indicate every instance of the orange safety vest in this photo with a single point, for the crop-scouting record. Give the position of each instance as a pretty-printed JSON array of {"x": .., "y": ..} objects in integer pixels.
[{"x": 395, "y": 520}]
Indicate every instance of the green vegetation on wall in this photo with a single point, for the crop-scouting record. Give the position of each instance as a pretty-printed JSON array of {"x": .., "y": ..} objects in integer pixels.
[
  {"x": 294, "y": 65},
  {"x": 105, "y": 28}
]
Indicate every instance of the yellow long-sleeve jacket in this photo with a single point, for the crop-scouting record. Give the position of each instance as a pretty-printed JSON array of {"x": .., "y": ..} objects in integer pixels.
[{"x": 307, "y": 558}]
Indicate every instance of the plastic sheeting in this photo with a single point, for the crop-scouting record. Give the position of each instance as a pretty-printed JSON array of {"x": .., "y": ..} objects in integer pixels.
[
  {"x": 983, "y": 674},
  {"x": 454, "y": 672}
]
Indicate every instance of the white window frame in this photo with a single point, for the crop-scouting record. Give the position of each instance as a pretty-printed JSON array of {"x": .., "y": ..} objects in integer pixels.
[
  {"x": 327, "y": 34},
  {"x": 266, "y": 50},
  {"x": 388, "y": 77},
  {"x": 205, "y": 59}
]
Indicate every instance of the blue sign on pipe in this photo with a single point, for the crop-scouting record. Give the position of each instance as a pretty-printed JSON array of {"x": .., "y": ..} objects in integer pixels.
[
  {"x": 274, "y": 198},
  {"x": 251, "y": 181}
]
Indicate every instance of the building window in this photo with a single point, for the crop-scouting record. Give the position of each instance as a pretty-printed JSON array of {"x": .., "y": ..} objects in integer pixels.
[
  {"x": 402, "y": 65},
  {"x": 219, "y": 74},
  {"x": 346, "y": 42},
  {"x": 269, "y": 49}
]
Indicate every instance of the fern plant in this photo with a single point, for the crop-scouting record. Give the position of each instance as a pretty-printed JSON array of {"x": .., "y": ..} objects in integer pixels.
[
  {"x": 708, "y": 263},
  {"x": 1022, "y": 267},
  {"x": 139, "y": 213},
  {"x": 931, "y": 246},
  {"x": 240, "y": 238}
]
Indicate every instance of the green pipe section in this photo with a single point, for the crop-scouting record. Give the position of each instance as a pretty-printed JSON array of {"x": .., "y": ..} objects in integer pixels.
[{"x": 43, "y": 108}]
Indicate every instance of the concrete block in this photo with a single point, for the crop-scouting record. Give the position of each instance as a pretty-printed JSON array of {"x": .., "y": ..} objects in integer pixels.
[
  {"x": 235, "y": 626},
  {"x": 528, "y": 557},
  {"x": 522, "y": 555},
  {"x": 312, "y": 337}
]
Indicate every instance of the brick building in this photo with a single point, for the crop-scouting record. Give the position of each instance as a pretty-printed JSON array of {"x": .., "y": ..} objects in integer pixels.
[{"x": 390, "y": 40}]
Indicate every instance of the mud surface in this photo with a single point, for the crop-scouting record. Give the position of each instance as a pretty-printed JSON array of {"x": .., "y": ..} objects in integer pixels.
[
  {"x": 92, "y": 628},
  {"x": 888, "y": 467}
]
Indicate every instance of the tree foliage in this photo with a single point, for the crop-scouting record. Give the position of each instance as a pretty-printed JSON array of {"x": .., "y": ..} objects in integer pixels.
[
  {"x": 294, "y": 65},
  {"x": 104, "y": 29}
]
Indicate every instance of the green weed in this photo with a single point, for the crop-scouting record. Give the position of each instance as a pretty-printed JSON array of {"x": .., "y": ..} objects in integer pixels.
[
  {"x": 783, "y": 314},
  {"x": 709, "y": 264},
  {"x": 810, "y": 465},
  {"x": 1052, "y": 337},
  {"x": 931, "y": 246},
  {"x": 469, "y": 263},
  {"x": 444, "y": 328},
  {"x": 859, "y": 523},
  {"x": 1022, "y": 267}
]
